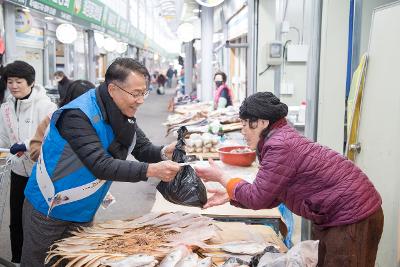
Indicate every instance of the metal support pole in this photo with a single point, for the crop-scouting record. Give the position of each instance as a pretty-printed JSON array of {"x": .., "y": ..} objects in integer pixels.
[
  {"x": 278, "y": 37},
  {"x": 91, "y": 57},
  {"x": 46, "y": 68},
  {"x": 207, "y": 29},
  {"x": 312, "y": 94},
  {"x": 188, "y": 67},
  {"x": 67, "y": 60},
  {"x": 251, "y": 49},
  {"x": 225, "y": 51},
  {"x": 9, "y": 21}
]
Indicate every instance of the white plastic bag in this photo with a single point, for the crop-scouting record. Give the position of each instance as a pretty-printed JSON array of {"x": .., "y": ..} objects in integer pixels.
[{"x": 303, "y": 254}]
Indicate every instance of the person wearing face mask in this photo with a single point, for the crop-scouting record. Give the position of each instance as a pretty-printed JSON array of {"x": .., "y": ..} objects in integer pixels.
[
  {"x": 85, "y": 149},
  {"x": 223, "y": 96},
  {"x": 313, "y": 181},
  {"x": 23, "y": 110},
  {"x": 63, "y": 83}
]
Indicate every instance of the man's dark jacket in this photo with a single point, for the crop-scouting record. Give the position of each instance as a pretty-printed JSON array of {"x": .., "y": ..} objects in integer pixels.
[{"x": 74, "y": 126}]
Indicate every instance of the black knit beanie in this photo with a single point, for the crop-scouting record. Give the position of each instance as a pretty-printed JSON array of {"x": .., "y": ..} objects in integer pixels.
[{"x": 263, "y": 105}]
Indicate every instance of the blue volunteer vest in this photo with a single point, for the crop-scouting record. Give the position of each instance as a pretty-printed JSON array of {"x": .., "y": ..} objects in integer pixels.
[{"x": 54, "y": 148}]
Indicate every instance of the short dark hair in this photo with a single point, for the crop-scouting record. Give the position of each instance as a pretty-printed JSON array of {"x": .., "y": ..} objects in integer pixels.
[
  {"x": 122, "y": 66},
  {"x": 3, "y": 88},
  {"x": 59, "y": 73},
  {"x": 19, "y": 69},
  {"x": 75, "y": 89},
  {"x": 222, "y": 74}
]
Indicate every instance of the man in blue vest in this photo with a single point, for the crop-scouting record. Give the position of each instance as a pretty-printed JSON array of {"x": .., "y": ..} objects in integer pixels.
[{"x": 85, "y": 150}]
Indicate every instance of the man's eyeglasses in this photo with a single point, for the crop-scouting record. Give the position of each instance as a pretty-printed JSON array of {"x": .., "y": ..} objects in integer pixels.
[{"x": 144, "y": 94}]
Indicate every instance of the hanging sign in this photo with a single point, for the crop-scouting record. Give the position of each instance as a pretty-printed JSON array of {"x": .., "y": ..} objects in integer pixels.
[
  {"x": 23, "y": 21},
  {"x": 89, "y": 10}
]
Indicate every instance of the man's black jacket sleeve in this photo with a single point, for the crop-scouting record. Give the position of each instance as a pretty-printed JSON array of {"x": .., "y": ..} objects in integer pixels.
[
  {"x": 144, "y": 150},
  {"x": 75, "y": 127}
]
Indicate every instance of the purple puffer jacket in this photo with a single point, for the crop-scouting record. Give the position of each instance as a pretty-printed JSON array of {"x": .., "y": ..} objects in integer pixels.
[{"x": 313, "y": 181}]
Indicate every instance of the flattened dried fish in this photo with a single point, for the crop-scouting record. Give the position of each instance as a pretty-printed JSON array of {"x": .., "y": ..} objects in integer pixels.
[
  {"x": 189, "y": 261},
  {"x": 153, "y": 234},
  {"x": 206, "y": 262},
  {"x": 175, "y": 256},
  {"x": 131, "y": 261},
  {"x": 244, "y": 247}
]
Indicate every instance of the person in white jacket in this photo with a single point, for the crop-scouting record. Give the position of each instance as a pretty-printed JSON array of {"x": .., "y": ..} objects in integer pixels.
[{"x": 25, "y": 107}]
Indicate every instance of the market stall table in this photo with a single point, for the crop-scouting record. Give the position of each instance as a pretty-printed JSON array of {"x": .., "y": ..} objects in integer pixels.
[{"x": 227, "y": 212}]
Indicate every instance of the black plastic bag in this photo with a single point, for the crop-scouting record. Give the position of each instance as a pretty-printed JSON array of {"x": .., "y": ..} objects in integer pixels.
[
  {"x": 187, "y": 188},
  {"x": 256, "y": 258}
]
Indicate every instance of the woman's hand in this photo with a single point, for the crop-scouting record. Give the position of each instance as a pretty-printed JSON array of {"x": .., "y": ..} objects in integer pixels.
[
  {"x": 219, "y": 197},
  {"x": 212, "y": 173}
]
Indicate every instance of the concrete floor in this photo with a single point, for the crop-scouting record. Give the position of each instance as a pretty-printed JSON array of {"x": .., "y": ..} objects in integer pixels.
[{"x": 132, "y": 199}]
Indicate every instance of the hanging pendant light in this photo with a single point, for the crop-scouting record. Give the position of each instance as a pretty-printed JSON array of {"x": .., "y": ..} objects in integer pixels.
[
  {"x": 66, "y": 33},
  {"x": 121, "y": 47},
  {"x": 209, "y": 3},
  {"x": 185, "y": 32},
  {"x": 110, "y": 44},
  {"x": 99, "y": 39}
]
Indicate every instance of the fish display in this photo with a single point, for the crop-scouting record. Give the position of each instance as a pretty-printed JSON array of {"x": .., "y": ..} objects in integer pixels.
[
  {"x": 174, "y": 239},
  {"x": 143, "y": 241}
]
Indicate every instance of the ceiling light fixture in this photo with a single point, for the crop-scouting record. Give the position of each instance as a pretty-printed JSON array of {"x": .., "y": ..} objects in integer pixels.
[
  {"x": 66, "y": 33},
  {"x": 209, "y": 3}
]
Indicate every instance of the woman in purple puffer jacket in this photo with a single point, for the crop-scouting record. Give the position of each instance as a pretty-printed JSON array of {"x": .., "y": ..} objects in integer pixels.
[{"x": 313, "y": 181}]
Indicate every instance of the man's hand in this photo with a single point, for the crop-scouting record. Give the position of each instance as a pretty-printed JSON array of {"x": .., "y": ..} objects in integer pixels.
[
  {"x": 169, "y": 149},
  {"x": 219, "y": 197},
  {"x": 164, "y": 170},
  {"x": 18, "y": 148}
]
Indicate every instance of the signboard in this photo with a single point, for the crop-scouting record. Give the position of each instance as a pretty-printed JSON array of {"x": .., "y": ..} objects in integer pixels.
[
  {"x": 91, "y": 14},
  {"x": 23, "y": 21},
  {"x": 51, "y": 8},
  {"x": 123, "y": 27},
  {"x": 33, "y": 38},
  {"x": 89, "y": 10},
  {"x": 63, "y": 5}
]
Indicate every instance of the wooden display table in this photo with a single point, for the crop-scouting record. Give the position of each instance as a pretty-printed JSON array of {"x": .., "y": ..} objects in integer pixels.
[{"x": 227, "y": 212}]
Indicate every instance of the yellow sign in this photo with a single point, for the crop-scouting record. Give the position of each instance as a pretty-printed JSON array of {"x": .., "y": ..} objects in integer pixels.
[{"x": 23, "y": 21}]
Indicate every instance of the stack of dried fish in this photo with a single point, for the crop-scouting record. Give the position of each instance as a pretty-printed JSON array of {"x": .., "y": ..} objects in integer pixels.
[
  {"x": 139, "y": 242},
  {"x": 175, "y": 121}
]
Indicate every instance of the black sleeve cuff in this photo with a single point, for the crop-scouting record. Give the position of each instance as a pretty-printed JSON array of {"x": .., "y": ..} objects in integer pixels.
[{"x": 143, "y": 172}]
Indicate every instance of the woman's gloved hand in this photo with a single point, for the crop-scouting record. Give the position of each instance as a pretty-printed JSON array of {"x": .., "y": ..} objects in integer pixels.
[{"x": 18, "y": 148}]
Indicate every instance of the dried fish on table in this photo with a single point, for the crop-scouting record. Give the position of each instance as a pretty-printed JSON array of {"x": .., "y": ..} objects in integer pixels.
[
  {"x": 244, "y": 247},
  {"x": 189, "y": 261},
  {"x": 113, "y": 242},
  {"x": 132, "y": 261},
  {"x": 206, "y": 262},
  {"x": 175, "y": 256}
]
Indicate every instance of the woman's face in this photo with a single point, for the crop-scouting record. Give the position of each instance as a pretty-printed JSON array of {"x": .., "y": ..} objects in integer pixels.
[
  {"x": 253, "y": 130},
  {"x": 18, "y": 87},
  {"x": 218, "y": 80}
]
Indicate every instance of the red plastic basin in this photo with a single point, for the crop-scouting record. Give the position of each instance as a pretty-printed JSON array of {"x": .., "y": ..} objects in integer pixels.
[{"x": 237, "y": 159}]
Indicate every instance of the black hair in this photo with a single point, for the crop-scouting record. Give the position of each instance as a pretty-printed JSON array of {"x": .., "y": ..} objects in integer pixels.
[
  {"x": 20, "y": 69},
  {"x": 75, "y": 89},
  {"x": 59, "y": 73},
  {"x": 122, "y": 67},
  {"x": 3, "y": 88},
  {"x": 222, "y": 74}
]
